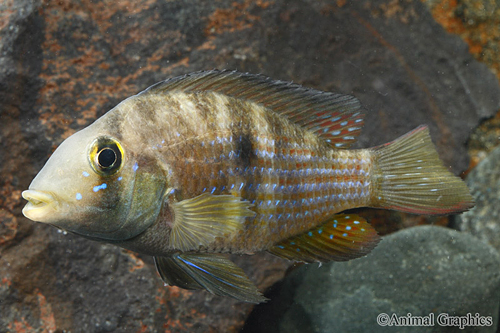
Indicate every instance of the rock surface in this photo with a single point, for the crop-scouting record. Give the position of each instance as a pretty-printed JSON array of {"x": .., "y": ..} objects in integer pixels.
[
  {"x": 65, "y": 63},
  {"x": 56, "y": 281},
  {"x": 420, "y": 270},
  {"x": 477, "y": 22},
  {"x": 483, "y": 221}
]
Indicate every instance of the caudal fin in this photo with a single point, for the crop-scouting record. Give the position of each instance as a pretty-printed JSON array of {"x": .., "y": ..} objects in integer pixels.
[{"x": 413, "y": 179}]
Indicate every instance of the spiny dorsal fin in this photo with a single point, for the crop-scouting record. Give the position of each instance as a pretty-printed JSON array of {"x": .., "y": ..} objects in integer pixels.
[
  {"x": 336, "y": 118},
  {"x": 213, "y": 272},
  {"x": 343, "y": 237}
]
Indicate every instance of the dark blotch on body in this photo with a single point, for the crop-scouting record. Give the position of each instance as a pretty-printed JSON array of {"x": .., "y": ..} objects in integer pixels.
[{"x": 244, "y": 151}]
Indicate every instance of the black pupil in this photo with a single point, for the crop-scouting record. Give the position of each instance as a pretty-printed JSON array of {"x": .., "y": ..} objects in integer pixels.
[{"x": 106, "y": 158}]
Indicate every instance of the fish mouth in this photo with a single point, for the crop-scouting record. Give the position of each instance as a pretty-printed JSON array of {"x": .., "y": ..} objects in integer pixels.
[{"x": 39, "y": 205}]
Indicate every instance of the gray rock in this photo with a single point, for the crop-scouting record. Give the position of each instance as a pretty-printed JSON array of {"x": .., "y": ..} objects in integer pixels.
[
  {"x": 421, "y": 271},
  {"x": 483, "y": 221}
]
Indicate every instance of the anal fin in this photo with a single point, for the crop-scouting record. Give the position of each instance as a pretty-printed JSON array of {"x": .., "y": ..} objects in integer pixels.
[
  {"x": 213, "y": 272},
  {"x": 343, "y": 237}
]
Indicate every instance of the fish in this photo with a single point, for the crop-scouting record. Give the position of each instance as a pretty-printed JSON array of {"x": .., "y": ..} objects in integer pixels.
[{"x": 220, "y": 162}]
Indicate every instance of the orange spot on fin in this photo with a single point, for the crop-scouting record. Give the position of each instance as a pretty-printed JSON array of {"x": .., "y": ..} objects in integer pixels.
[{"x": 343, "y": 237}]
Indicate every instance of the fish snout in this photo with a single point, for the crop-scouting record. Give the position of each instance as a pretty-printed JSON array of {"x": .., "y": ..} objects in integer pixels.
[{"x": 40, "y": 205}]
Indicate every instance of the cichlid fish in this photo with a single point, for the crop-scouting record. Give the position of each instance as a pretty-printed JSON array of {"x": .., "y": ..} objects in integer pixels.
[{"x": 220, "y": 162}]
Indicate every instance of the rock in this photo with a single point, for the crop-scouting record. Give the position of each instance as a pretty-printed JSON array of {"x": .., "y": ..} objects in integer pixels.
[
  {"x": 61, "y": 280},
  {"x": 20, "y": 38},
  {"x": 477, "y": 22},
  {"x": 483, "y": 220},
  {"x": 422, "y": 270},
  {"x": 65, "y": 63}
]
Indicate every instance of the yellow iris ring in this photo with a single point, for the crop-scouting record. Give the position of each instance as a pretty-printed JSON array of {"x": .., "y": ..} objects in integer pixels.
[{"x": 99, "y": 144}]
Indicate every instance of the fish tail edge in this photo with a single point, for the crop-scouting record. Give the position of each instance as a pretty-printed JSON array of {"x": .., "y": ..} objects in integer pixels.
[{"x": 410, "y": 177}]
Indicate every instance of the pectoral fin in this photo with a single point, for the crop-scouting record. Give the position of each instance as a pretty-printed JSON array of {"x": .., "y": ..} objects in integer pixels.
[
  {"x": 199, "y": 220},
  {"x": 343, "y": 237},
  {"x": 212, "y": 272}
]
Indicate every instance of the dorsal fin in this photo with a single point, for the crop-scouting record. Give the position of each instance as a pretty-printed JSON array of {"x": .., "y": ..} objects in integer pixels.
[{"x": 336, "y": 118}]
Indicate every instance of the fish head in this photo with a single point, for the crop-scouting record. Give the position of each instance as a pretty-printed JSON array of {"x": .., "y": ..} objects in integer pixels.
[{"x": 96, "y": 185}]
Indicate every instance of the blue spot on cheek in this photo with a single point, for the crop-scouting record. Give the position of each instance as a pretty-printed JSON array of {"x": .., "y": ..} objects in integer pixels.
[
  {"x": 100, "y": 187},
  {"x": 348, "y": 228},
  {"x": 78, "y": 196},
  {"x": 310, "y": 233},
  {"x": 85, "y": 174},
  {"x": 331, "y": 236},
  {"x": 356, "y": 222},
  {"x": 135, "y": 167},
  {"x": 345, "y": 235},
  {"x": 120, "y": 178}
]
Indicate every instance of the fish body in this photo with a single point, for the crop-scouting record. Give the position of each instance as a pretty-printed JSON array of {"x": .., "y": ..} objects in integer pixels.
[
  {"x": 223, "y": 146},
  {"x": 223, "y": 162}
]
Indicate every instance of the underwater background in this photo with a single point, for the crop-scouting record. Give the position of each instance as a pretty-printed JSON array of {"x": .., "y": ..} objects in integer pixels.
[{"x": 65, "y": 63}]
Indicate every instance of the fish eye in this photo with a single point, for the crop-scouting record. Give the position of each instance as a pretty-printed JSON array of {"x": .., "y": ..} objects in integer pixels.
[
  {"x": 106, "y": 155},
  {"x": 106, "y": 158}
]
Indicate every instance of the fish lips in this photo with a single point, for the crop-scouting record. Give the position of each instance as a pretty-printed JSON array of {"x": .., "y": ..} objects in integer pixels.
[{"x": 40, "y": 205}]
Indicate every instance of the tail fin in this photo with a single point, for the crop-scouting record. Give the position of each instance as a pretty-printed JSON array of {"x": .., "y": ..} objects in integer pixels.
[{"x": 411, "y": 178}]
